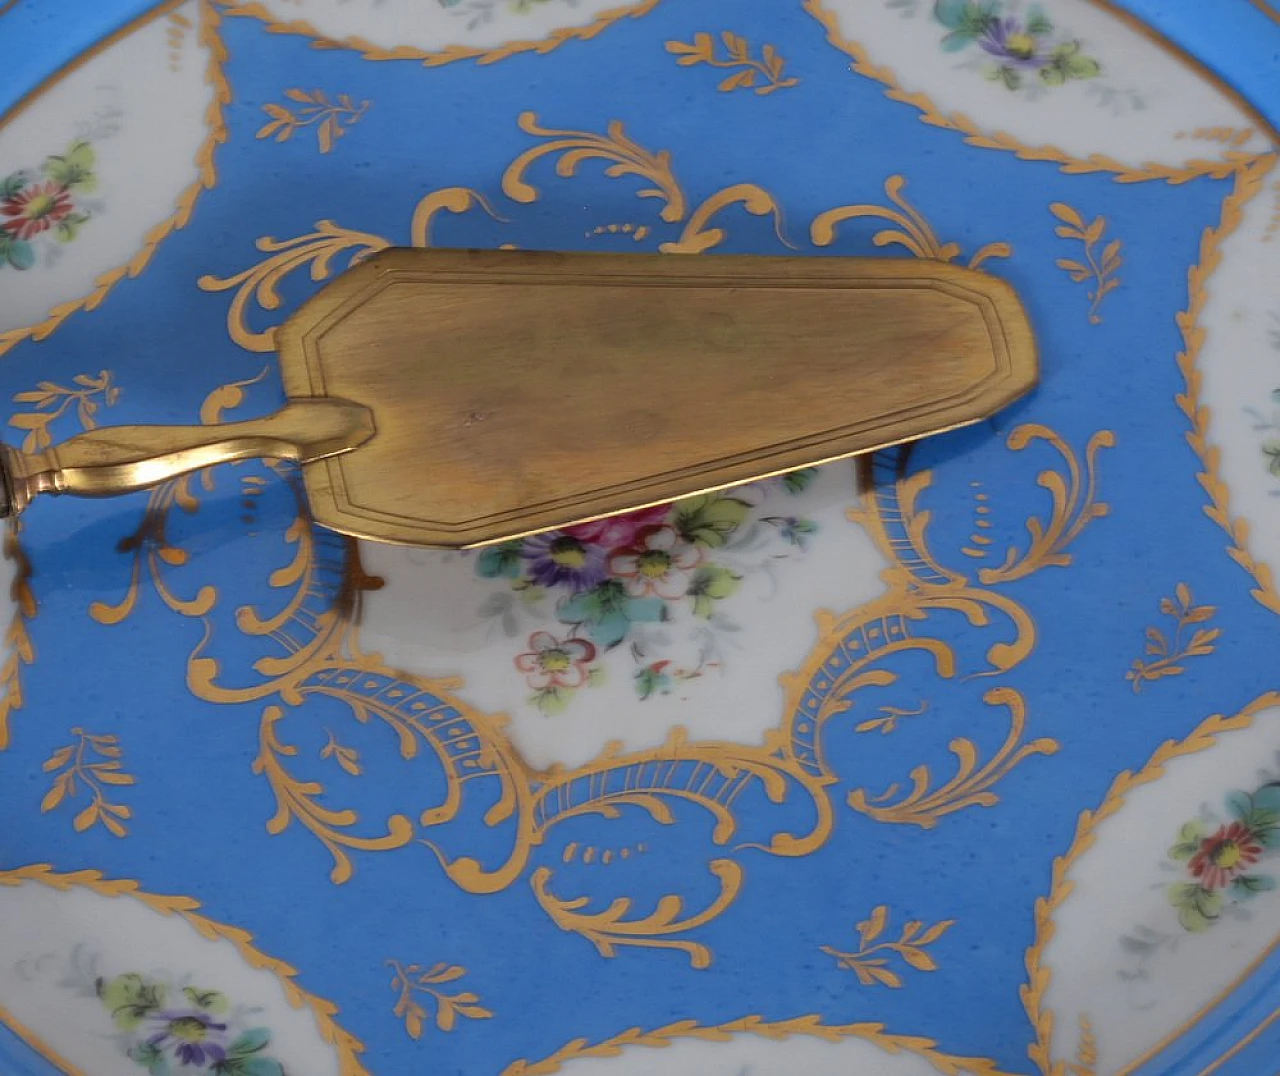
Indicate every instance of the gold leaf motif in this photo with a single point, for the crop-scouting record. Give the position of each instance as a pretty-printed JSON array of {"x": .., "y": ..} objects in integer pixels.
[
  {"x": 1101, "y": 269},
  {"x": 1169, "y": 654},
  {"x": 871, "y": 962},
  {"x": 51, "y": 401},
  {"x": 89, "y": 762},
  {"x": 412, "y": 981},
  {"x": 769, "y": 67},
  {"x": 346, "y": 757},
  {"x": 331, "y": 119}
]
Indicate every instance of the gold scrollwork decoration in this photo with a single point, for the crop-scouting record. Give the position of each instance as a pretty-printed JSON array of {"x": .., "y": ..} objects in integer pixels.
[
  {"x": 332, "y": 246},
  {"x": 297, "y": 801},
  {"x": 1074, "y": 504},
  {"x": 610, "y": 928},
  {"x": 911, "y": 230},
  {"x": 971, "y": 785},
  {"x": 260, "y": 283},
  {"x": 625, "y": 157}
]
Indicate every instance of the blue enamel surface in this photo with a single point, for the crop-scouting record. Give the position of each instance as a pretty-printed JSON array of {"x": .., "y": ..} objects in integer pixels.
[{"x": 200, "y": 811}]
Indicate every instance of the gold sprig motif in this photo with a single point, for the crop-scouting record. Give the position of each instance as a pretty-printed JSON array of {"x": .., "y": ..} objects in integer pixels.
[
  {"x": 1099, "y": 269},
  {"x": 870, "y": 962},
  {"x": 764, "y": 75},
  {"x": 89, "y": 762},
  {"x": 50, "y": 401},
  {"x": 331, "y": 119},
  {"x": 412, "y": 982},
  {"x": 1165, "y": 655}
]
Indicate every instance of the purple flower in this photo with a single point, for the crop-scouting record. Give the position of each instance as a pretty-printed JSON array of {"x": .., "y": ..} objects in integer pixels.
[
  {"x": 194, "y": 1037},
  {"x": 1009, "y": 40},
  {"x": 559, "y": 559}
]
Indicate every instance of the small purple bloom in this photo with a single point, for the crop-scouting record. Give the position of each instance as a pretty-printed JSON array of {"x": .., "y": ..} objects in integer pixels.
[
  {"x": 559, "y": 559},
  {"x": 1007, "y": 39},
  {"x": 193, "y": 1036}
]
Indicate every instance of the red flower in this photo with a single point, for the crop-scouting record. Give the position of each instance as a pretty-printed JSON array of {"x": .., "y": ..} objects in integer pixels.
[
  {"x": 1225, "y": 855},
  {"x": 552, "y": 663},
  {"x": 618, "y": 532},
  {"x": 36, "y": 209}
]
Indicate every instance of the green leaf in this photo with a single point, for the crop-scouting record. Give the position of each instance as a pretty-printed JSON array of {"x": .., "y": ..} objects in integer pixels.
[
  {"x": 260, "y": 1066},
  {"x": 500, "y": 561},
  {"x": 152, "y": 1057},
  {"x": 608, "y": 611},
  {"x": 69, "y": 226},
  {"x": 250, "y": 1042},
  {"x": 799, "y": 481},
  {"x": 712, "y": 583},
  {"x": 1197, "y": 907},
  {"x": 1038, "y": 23},
  {"x": 1188, "y": 842},
  {"x": 651, "y": 680},
  {"x": 1271, "y": 449},
  {"x": 12, "y": 184},
  {"x": 999, "y": 73},
  {"x": 130, "y": 999},
  {"x": 74, "y": 168},
  {"x": 710, "y": 519},
  {"x": 209, "y": 1000},
  {"x": 609, "y": 630},
  {"x": 551, "y": 700},
  {"x": 20, "y": 254},
  {"x": 956, "y": 40},
  {"x": 965, "y": 16},
  {"x": 1083, "y": 67},
  {"x": 1247, "y": 885},
  {"x": 645, "y": 610},
  {"x": 1239, "y": 805}
]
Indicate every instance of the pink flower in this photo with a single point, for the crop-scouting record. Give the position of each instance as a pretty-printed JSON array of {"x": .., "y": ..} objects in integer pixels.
[
  {"x": 1225, "y": 855},
  {"x": 36, "y": 209},
  {"x": 618, "y": 532},
  {"x": 552, "y": 662},
  {"x": 659, "y": 563}
]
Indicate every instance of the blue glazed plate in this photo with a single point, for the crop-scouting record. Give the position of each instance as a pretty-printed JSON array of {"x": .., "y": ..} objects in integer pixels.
[{"x": 962, "y": 759}]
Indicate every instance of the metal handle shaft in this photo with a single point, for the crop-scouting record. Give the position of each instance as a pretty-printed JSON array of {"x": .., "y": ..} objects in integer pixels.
[{"x": 123, "y": 459}]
